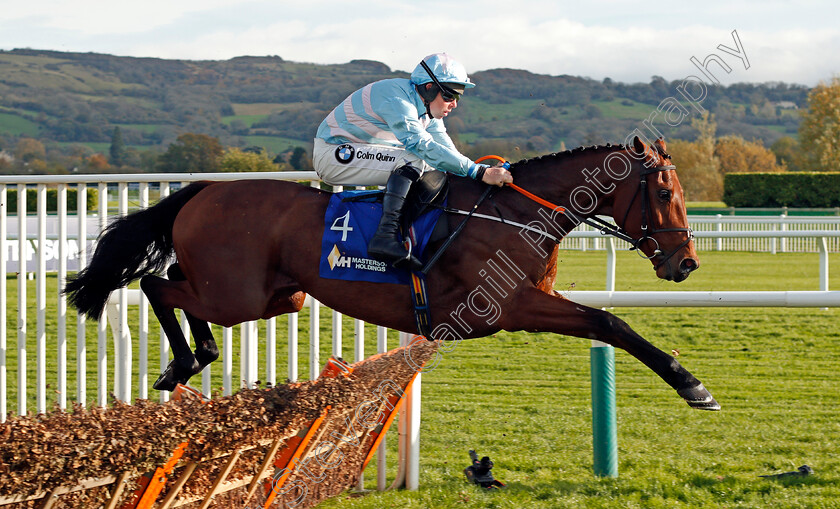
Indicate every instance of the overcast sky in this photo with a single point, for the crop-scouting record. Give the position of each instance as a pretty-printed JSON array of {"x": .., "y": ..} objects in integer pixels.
[{"x": 793, "y": 42}]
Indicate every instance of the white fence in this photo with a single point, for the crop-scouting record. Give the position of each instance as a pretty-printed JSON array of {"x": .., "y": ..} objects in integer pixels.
[
  {"x": 706, "y": 227},
  {"x": 71, "y": 240},
  {"x": 820, "y": 238}
]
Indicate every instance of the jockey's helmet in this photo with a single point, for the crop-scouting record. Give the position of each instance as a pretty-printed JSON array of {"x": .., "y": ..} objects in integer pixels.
[{"x": 443, "y": 70}]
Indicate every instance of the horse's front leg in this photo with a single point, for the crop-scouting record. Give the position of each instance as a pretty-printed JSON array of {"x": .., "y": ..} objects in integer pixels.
[{"x": 537, "y": 311}]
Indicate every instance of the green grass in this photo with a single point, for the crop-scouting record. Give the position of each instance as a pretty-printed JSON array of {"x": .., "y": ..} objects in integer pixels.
[
  {"x": 480, "y": 111},
  {"x": 275, "y": 144},
  {"x": 265, "y": 109},
  {"x": 615, "y": 109},
  {"x": 248, "y": 120},
  {"x": 791, "y": 131},
  {"x": 524, "y": 400},
  {"x": 99, "y": 147},
  {"x": 18, "y": 125}
]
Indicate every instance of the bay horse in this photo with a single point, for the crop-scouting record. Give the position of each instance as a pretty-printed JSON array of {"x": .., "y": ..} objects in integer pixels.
[{"x": 250, "y": 249}]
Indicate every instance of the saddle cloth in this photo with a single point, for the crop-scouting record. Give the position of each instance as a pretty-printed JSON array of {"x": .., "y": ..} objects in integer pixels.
[{"x": 349, "y": 223}]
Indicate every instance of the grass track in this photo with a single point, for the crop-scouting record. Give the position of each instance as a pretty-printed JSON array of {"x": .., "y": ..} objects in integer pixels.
[{"x": 524, "y": 400}]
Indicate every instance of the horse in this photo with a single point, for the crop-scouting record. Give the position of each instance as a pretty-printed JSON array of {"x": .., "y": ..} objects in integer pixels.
[{"x": 249, "y": 249}]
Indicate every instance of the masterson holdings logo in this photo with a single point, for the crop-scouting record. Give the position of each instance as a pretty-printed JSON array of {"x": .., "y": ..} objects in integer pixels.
[
  {"x": 344, "y": 153},
  {"x": 337, "y": 260}
]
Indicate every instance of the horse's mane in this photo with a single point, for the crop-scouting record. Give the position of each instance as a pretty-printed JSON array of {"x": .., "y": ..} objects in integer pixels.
[{"x": 559, "y": 156}]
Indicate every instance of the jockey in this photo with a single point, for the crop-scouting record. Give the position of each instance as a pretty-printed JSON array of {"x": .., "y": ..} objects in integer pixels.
[{"x": 390, "y": 132}]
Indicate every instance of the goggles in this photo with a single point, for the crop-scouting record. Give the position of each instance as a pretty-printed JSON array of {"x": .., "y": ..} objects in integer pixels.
[{"x": 446, "y": 93}]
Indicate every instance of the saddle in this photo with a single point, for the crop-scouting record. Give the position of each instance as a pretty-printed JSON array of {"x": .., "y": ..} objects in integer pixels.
[{"x": 431, "y": 189}]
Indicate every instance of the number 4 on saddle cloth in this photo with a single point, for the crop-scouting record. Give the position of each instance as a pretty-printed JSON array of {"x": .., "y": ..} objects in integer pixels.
[{"x": 351, "y": 221}]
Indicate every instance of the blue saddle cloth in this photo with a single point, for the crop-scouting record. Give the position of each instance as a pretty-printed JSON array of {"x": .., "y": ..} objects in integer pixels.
[{"x": 349, "y": 226}]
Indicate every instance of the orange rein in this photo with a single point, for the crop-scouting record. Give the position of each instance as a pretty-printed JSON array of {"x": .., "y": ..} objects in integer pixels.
[{"x": 521, "y": 191}]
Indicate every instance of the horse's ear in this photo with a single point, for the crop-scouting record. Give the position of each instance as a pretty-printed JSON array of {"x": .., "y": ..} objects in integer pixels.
[
  {"x": 660, "y": 142},
  {"x": 639, "y": 146}
]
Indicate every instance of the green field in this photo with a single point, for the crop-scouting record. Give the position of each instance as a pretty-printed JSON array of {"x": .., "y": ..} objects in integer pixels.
[
  {"x": 524, "y": 400},
  {"x": 18, "y": 125},
  {"x": 248, "y": 120},
  {"x": 633, "y": 111},
  {"x": 275, "y": 144},
  {"x": 100, "y": 147},
  {"x": 479, "y": 111}
]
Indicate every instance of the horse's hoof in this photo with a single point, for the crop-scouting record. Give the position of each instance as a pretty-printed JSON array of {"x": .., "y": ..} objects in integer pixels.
[
  {"x": 699, "y": 397},
  {"x": 173, "y": 375}
]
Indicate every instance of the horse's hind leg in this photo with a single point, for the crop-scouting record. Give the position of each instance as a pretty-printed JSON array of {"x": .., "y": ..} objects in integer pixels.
[
  {"x": 184, "y": 364},
  {"x": 539, "y": 311},
  {"x": 206, "y": 350}
]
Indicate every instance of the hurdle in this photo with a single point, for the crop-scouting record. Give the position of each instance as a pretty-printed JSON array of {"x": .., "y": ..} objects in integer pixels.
[{"x": 297, "y": 453}]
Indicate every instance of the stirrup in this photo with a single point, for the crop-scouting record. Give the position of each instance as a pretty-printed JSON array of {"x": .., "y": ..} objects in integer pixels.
[{"x": 408, "y": 263}]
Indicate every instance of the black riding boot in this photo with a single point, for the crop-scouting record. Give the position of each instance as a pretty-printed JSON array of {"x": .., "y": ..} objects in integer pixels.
[{"x": 387, "y": 244}]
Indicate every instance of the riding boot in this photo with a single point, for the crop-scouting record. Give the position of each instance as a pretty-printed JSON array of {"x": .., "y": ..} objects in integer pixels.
[{"x": 387, "y": 244}]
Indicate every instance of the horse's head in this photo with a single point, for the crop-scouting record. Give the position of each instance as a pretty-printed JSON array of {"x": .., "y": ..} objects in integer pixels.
[{"x": 650, "y": 207}]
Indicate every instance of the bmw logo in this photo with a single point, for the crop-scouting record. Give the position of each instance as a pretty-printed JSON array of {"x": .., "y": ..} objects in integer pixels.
[{"x": 344, "y": 153}]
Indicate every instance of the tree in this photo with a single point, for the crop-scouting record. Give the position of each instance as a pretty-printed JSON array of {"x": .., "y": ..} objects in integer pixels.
[
  {"x": 117, "y": 148},
  {"x": 788, "y": 153},
  {"x": 697, "y": 165},
  {"x": 97, "y": 163},
  {"x": 28, "y": 150},
  {"x": 738, "y": 155},
  {"x": 299, "y": 160},
  {"x": 236, "y": 160},
  {"x": 819, "y": 132},
  {"x": 191, "y": 153}
]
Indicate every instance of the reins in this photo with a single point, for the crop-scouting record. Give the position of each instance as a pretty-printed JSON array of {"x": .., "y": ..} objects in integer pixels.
[
  {"x": 434, "y": 258},
  {"x": 606, "y": 228}
]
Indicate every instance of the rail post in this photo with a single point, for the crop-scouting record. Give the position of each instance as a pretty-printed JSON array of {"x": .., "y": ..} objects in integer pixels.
[
  {"x": 602, "y": 365},
  {"x": 604, "y": 431}
]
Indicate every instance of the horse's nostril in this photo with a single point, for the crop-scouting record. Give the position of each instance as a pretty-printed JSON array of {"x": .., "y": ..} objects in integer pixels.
[{"x": 688, "y": 265}]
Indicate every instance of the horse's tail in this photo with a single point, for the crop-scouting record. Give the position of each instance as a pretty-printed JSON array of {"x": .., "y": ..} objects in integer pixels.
[{"x": 128, "y": 249}]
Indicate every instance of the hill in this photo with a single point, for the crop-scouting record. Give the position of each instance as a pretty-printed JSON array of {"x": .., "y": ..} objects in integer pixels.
[{"x": 276, "y": 104}]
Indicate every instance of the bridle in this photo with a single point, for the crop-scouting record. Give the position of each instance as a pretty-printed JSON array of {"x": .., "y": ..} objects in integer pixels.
[
  {"x": 618, "y": 231},
  {"x": 649, "y": 230}
]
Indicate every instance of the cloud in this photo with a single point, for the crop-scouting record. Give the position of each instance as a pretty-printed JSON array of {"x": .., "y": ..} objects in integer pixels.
[
  {"x": 94, "y": 18},
  {"x": 615, "y": 39}
]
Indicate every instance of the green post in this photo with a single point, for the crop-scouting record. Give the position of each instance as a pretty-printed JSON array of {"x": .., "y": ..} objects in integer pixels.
[{"x": 604, "y": 434}]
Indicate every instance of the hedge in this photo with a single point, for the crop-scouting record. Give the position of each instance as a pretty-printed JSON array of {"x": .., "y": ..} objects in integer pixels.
[
  {"x": 52, "y": 200},
  {"x": 805, "y": 190}
]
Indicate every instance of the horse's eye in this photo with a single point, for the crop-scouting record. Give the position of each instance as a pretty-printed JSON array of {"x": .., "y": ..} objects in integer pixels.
[{"x": 664, "y": 194}]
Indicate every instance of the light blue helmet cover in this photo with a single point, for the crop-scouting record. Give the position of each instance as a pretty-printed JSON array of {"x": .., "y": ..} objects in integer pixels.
[{"x": 445, "y": 68}]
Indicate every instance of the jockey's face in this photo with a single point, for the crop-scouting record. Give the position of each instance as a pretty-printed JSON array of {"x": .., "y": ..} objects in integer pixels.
[{"x": 440, "y": 108}]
